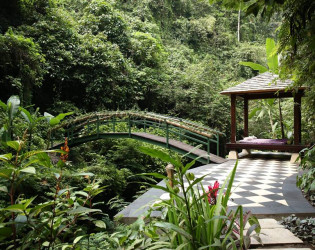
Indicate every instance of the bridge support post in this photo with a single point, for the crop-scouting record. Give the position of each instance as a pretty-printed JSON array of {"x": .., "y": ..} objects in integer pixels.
[
  {"x": 208, "y": 149},
  {"x": 129, "y": 125},
  {"x": 170, "y": 173},
  {"x": 51, "y": 140},
  {"x": 218, "y": 145},
  {"x": 180, "y": 134},
  {"x": 167, "y": 135},
  {"x": 144, "y": 125},
  {"x": 98, "y": 127},
  {"x": 114, "y": 124}
]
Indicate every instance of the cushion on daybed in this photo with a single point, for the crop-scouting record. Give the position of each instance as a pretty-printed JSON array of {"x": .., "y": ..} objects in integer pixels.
[{"x": 265, "y": 141}]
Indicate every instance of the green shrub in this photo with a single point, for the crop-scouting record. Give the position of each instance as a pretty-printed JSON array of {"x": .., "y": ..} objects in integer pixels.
[
  {"x": 65, "y": 217},
  {"x": 306, "y": 181},
  {"x": 190, "y": 221}
]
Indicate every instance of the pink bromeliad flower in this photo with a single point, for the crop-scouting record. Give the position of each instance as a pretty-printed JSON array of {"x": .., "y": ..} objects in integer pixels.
[{"x": 213, "y": 192}]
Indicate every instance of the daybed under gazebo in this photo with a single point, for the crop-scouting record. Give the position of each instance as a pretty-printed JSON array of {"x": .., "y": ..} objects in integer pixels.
[{"x": 264, "y": 86}]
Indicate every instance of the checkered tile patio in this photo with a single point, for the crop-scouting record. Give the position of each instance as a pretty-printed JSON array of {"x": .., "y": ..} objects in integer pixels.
[
  {"x": 262, "y": 186},
  {"x": 266, "y": 187}
]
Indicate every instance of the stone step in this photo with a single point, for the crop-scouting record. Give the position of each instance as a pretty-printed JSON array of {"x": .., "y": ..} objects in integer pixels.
[
  {"x": 288, "y": 248},
  {"x": 272, "y": 233}
]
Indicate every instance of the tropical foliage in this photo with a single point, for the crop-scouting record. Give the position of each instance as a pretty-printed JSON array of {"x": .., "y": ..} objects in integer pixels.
[
  {"x": 306, "y": 181},
  {"x": 70, "y": 57},
  {"x": 191, "y": 221}
]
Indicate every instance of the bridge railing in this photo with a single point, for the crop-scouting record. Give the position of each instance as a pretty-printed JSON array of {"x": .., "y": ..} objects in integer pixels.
[{"x": 168, "y": 127}]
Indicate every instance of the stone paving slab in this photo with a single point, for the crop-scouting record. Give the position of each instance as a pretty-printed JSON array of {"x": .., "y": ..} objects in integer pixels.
[
  {"x": 272, "y": 233},
  {"x": 267, "y": 224},
  {"x": 276, "y": 236},
  {"x": 266, "y": 187},
  {"x": 288, "y": 248}
]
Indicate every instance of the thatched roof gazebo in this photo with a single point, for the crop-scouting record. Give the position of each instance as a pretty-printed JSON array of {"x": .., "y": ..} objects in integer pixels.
[{"x": 264, "y": 86}]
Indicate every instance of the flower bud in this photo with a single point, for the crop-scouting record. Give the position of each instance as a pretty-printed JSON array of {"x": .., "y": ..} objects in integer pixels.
[{"x": 190, "y": 176}]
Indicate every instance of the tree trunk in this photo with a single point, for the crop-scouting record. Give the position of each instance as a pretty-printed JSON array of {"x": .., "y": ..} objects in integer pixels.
[{"x": 239, "y": 25}]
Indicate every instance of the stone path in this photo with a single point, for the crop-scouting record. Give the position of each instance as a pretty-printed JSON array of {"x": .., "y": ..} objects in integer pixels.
[
  {"x": 266, "y": 187},
  {"x": 274, "y": 234}
]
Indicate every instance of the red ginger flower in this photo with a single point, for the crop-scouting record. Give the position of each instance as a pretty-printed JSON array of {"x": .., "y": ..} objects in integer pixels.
[
  {"x": 64, "y": 157},
  {"x": 213, "y": 192}
]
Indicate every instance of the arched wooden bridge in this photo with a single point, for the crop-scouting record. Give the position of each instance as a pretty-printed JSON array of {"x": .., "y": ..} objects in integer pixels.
[{"x": 165, "y": 131}]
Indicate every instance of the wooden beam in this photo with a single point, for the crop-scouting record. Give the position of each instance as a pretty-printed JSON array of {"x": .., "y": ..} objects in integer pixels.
[
  {"x": 233, "y": 118},
  {"x": 245, "y": 117},
  {"x": 280, "y": 94},
  {"x": 297, "y": 119},
  {"x": 285, "y": 147}
]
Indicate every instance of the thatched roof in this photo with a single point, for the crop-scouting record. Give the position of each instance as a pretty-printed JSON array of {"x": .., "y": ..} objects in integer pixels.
[{"x": 263, "y": 83}]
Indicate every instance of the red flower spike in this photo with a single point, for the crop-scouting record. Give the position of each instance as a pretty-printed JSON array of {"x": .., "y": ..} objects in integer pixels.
[
  {"x": 64, "y": 157},
  {"x": 213, "y": 192}
]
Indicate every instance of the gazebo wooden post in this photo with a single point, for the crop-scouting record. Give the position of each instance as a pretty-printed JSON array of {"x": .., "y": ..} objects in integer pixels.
[
  {"x": 233, "y": 118},
  {"x": 263, "y": 86},
  {"x": 245, "y": 116},
  {"x": 233, "y": 153},
  {"x": 297, "y": 119}
]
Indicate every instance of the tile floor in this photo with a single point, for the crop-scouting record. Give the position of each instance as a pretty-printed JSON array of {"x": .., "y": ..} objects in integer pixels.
[{"x": 264, "y": 186}]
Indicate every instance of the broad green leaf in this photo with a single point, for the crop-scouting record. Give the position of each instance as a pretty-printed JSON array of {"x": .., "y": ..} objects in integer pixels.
[
  {"x": 312, "y": 187},
  {"x": 6, "y": 157},
  {"x": 4, "y": 189},
  {"x": 253, "y": 113},
  {"x": 100, "y": 224},
  {"x": 3, "y": 105},
  {"x": 173, "y": 227},
  {"x": 29, "y": 163},
  {"x": 255, "y": 66},
  {"x": 14, "y": 144},
  {"x": 13, "y": 104},
  {"x": 271, "y": 101},
  {"x": 29, "y": 170},
  {"x": 46, "y": 244},
  {"x": 27, "y": 202},
  {"x": 44, "y": 160},
  {"x": 37, "y": 209},
  {"x": 17, "y": 208},
  {"x": 85, "y": 194},
  {"x": 77, "y": 239},
  {"x": 63, "y": 115},
  {"x": 62, "y": 191},
  {"x": 6, "y": 173},
  {"x": 54, "y": 121},
  {"x": 83, "y": 210},
  {"x": 26, "y": 115},
  {"x": 272, "y": 57}
]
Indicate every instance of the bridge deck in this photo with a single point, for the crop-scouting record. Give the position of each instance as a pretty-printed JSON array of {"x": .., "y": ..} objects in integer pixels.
[{"x": 182, "y": 146}]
